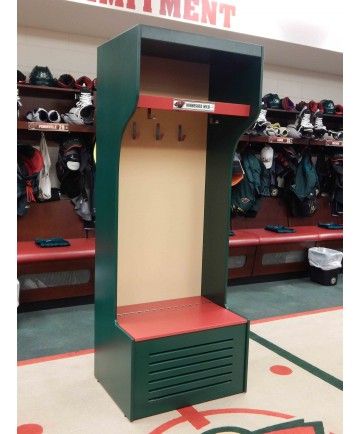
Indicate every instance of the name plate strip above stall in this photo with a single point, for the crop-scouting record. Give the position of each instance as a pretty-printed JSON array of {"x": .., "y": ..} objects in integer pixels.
[{"x": 41, "y": 126}]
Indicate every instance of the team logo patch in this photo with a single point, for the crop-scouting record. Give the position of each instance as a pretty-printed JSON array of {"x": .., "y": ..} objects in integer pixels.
[
  {"x": 179, "y": 104},
  {"x": 199, "y": 106},
  {"x": 245, "y": 200}
]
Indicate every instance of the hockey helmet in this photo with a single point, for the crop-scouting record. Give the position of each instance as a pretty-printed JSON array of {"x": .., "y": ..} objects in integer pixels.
[{"x": 41, "y": 76}]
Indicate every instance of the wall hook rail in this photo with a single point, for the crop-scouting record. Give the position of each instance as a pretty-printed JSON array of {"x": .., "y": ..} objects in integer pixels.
[{"x": 181, "y": 135}]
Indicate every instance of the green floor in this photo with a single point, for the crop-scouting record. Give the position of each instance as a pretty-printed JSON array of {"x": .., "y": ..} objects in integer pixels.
[
  {"x": 60, "y": 330},
  {"x": 261, "y": 300},
  {"x": 55, "y": 331}
]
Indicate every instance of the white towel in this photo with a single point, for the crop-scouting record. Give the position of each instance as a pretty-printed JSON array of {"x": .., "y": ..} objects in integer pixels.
[{"x": 44, "y": 178}]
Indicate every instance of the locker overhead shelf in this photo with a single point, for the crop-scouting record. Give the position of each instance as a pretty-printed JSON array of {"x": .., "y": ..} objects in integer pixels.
[{"x": 182, "y": 104}]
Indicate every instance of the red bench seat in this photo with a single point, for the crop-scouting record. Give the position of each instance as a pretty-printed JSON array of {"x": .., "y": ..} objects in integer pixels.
[
  {"x": 80, "y": 248},
  {"x": 254, "y": 251},
  {"x": 32, "y": 259},
  {"x": 253, "y": 237},
  {"x": 244, "y": 237},
  {"x": 301, "y": 234},
  {"x": 154, "y": 320},
  {"x": 330, "y": 234}
]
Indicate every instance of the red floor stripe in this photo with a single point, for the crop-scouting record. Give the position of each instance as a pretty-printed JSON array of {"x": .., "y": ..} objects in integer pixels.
[
  {"x": 55, "y": 357},
  {"x": 293, "y": 315},
  {"x": 196, "y": 419}
]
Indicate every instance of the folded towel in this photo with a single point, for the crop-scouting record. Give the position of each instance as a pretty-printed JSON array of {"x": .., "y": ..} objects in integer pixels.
[
  {"x": 279, "y": 229},
  {"x": 330, "y": 225},
  {"x": 52, "y": 242}
]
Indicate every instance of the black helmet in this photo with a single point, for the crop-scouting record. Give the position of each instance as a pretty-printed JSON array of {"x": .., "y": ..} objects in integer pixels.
[
  {"x": 70, "y": 150},
  {"x": 41, "y": 76},
  {"x": 327, "y": 106},
  {"x": 68, "y": 167},
  {"x": 272, "y": 101},
  {"x": 21, "y": 78}
]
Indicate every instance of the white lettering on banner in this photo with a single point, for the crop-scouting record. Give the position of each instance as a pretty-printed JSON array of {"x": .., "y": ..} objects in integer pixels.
[
  {"x": 179, "y": 104},
  {"x": 216, "y": 13}
]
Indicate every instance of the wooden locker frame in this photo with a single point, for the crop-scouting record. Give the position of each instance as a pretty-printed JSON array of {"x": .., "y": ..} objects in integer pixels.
[{"x": 124, "y": 360}]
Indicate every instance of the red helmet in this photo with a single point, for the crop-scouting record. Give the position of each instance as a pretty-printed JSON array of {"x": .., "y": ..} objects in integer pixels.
[
  {"x": 66, "y": 81},
  {"x": 84, "y": 81},
  {"x": 287, "y": 104},
  {"x": 339, "y": 109},
  {"x": 314, "y": 106}
]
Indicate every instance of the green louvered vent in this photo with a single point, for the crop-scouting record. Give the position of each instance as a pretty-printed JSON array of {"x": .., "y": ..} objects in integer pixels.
[{"x": 189, "y": 369}]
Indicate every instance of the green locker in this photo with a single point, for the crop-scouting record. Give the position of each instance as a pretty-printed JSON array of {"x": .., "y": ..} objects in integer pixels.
[{"x": 170, "y": 109}]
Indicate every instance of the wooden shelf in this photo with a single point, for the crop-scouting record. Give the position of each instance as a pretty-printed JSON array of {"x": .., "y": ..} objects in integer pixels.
[
  {"x": 296, "y": 112},
  {"x": 281, "y": 111},
  {"x": 33, "y": 88},
  {"x": 326, "y": 142},
  {"x": 333, "y": 116},
  {"x": 59, "y": 93},
  {"x": 269, "y": 139},
  {"x": 55, "y": 127},
  {"x": 183, "y": 104},
  {"x": 290, "y": 141}
]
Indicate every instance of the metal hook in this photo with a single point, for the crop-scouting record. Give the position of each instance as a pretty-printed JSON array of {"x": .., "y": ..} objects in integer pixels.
[
  {"x": 134, "y": 133},
  {"x": 158, "y": 134},
  {"x": 149, "y": 114},
  {"x": 181, "y": 136}
]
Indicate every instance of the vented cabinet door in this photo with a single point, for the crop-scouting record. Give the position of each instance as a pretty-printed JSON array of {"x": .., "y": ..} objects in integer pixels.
[{"x": 186, "y": 369}]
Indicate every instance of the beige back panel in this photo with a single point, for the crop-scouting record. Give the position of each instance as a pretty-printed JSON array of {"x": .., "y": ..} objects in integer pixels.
[
  {"x": 174, "y": 78},
  {"x": 161, "y": 195}
]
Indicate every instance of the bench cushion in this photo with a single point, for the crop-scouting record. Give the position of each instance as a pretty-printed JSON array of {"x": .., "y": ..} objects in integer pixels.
[
  {"x": 301, "y": 234},
  {"x": 80, "y": 248},
  {"x": 173, "y": 317},
  {"x": 254, "y": 237},
  {"x": 330, "y": 234},
  {"x": 244, "y": 237}
]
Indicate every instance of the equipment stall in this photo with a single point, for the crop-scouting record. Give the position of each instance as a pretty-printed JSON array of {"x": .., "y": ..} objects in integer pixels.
[{"x": 171, "y": 107}]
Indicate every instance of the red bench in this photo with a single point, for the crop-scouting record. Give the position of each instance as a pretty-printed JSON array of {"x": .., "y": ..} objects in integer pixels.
[
  {"x": 35, "y": 260},
  {"x": 255, "y": 251},
  {"x": 254, "y": 237},
  {"x": 251, "y": 243},
  {"x": 31, "y": 253},
  {"x": 172, "y": 317},
  {"x": 47, "y": 220}
]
